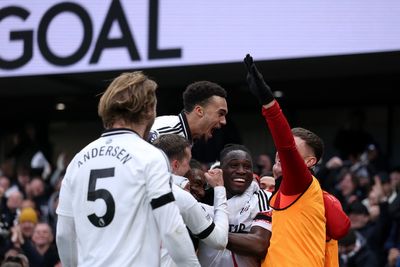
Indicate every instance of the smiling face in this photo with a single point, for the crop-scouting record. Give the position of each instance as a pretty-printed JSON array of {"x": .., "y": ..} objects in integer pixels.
[
  {"x": 267, "y": 183},
  {"x": 42, "y": 235},
  {"x": 212, "y": 116},
  {"x": 237, "y": 168}
]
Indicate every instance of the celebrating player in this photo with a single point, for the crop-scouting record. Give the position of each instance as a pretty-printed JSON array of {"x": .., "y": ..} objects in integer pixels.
[
  {"x": 204, "y": 110},
  {"x": 213, "y": 234},
  {"x": 249, "y": 214},
  {"x": 116, "y": 201}
]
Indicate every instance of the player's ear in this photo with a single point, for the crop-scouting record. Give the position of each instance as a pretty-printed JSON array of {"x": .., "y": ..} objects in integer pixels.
[
  {"x": 310, "y": 161},
  {"x": 175, "y": 164},
  {"x": 199, "y": 110}
]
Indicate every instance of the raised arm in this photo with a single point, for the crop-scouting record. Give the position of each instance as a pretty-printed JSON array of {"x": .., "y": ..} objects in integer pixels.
[
  {"x": 218, "y": 238},
  {"x": 296, "y": 175}
]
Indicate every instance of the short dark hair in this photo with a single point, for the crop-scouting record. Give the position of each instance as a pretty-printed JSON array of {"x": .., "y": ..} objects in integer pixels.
[
  {"x": 198, "y": 93},
  {"x": 231, "y": 147},
  {"x": 311, "y": 139},
  {"x": 173, "y": 145}
]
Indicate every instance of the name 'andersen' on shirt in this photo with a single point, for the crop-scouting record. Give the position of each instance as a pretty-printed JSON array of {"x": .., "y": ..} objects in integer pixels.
[{"x": 117, "y": 152}]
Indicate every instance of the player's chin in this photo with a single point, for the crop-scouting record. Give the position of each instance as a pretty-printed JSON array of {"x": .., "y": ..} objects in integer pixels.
[
  {"x": 238, "y": 190},
  {"x": 207, "y": 136}
]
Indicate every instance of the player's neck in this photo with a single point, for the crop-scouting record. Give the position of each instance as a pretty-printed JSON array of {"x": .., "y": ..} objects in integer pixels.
[
  {"x": 192, "y": 119},
  {"x": 138, "y": 128}
]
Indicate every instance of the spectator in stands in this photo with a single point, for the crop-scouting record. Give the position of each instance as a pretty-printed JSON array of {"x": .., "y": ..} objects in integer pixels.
[
  {"x": 267, "y": 181},
  {"x": 27, "y": 221},
  {"x": 347, "y": 187},
  {"x": 37, "y": 191},
  {"x": 41, "y": 250},
  {"x": 375, "y": 232},
  {"x": 263, "y": 164},
  {"x": 354, "y": 251},
  {"x": 9, "y": 212}
]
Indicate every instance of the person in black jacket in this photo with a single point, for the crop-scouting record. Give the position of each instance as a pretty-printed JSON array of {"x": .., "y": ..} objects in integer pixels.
[{"x": 354, "y": 251}]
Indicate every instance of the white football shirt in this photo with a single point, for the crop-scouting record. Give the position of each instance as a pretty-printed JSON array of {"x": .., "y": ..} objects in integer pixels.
[
  {"x": 170, "y": 124},
  {"x": 199, "y": 221},
  {"x": 110, "y": 188},
  {"x": 245, "y": 211}
]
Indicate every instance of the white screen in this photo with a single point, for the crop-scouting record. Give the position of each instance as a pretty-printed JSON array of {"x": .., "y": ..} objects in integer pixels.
[{"x": 200, "y": 32}]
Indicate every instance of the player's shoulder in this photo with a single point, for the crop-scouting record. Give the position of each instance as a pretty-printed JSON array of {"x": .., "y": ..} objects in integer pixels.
[
  {"x": 165, "y": 121},
  {"x": 149, "y": 151},
  {"x": 164, "y": 125},
  {"x": 263, "y": 198},
  {"x": 183, "y": 198},
  {"x": 264, "y": 194}
]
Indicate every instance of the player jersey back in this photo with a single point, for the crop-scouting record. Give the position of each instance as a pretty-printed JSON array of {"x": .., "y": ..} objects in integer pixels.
[{"x": 114, "y": 200}]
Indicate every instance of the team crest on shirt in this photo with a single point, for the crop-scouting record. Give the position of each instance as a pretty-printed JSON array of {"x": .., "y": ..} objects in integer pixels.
[
  {"x": 245, "y": 208},
  {"x": 152, "y": 137}
]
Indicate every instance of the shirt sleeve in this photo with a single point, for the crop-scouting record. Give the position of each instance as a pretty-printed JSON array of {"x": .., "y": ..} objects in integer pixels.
[
  {"x": 66, "y": 241},
  {"x": 64, "y": 203},
  {"x": 263, "y": 217},
  {"x": 175, "y": 236},
  {"x": 159, "y": 180},
  {"x": 173, "y": 231},
  {"x": 337, "y": 222},
  {"x": 194, "y": 216},
  {"x": 218, "y": 237},
  {"x": 296, "y": 176},
  {"x": 180, "y": 181}
]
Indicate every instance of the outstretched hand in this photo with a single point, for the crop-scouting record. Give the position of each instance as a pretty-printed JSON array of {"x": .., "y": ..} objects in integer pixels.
[{"x": 256, "y": 82}]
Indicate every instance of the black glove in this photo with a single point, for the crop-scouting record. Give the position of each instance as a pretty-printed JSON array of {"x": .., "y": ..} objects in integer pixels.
[{"x": 256, "y": 82}]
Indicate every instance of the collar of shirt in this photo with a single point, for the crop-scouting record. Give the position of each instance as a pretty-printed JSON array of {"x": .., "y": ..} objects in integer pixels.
[{"x": 185, "y": 126}]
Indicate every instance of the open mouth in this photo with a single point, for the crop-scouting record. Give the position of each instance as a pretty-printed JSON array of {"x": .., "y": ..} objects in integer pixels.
[
  {"x": 210, "y": 134},
  {"x": 239, "y": 180}
]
